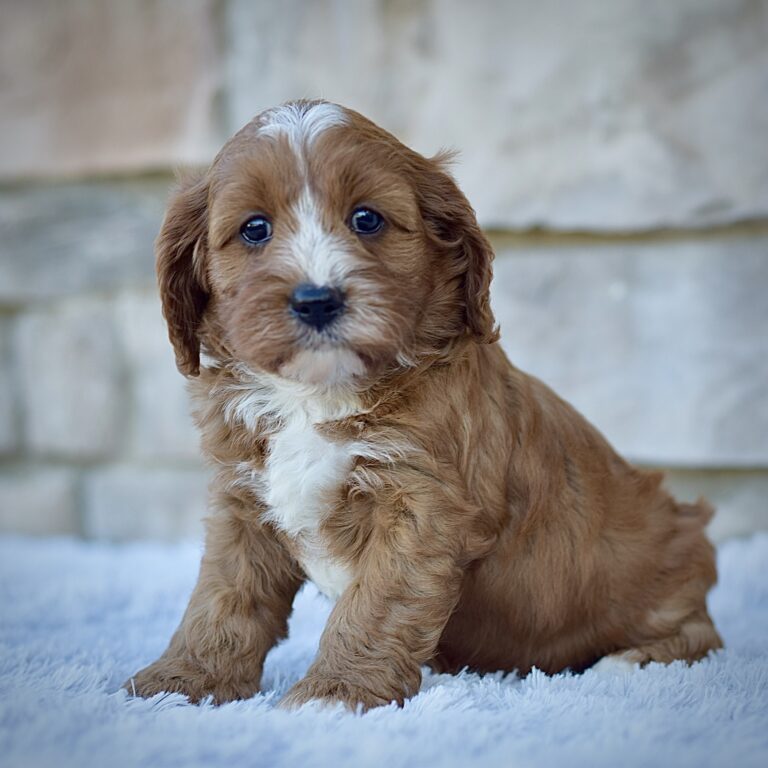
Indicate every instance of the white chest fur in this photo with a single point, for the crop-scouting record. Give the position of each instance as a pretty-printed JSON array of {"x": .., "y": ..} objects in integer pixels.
[{"x": 302, "y": 470}]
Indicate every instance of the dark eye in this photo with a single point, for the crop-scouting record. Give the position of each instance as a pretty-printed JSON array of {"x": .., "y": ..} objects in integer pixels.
[
  {"x": 365, "y": 221},
  {"x": 256, "y": 231}
]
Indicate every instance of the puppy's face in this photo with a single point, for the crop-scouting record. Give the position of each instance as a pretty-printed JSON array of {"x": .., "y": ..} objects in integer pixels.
[{"x": 319, "y": 248}]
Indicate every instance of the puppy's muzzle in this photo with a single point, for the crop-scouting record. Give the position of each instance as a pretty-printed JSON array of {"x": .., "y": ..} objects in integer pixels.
[{"x": 316, "y": 305}]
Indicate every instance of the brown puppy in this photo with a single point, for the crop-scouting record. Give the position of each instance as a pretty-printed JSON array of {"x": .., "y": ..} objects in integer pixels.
[{"x": 369, "y": 434}]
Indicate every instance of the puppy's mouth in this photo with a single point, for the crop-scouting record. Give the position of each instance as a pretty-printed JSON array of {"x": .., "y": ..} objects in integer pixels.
[
  {"x": 317, "y": 336},
  {"x": 328, "y": 338},
  {"x": 324, "y": 357},
  {"x": 326, "y": 366}
]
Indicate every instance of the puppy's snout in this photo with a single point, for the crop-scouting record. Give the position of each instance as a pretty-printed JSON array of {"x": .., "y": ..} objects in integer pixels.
[{"x": 316, "y": 305}]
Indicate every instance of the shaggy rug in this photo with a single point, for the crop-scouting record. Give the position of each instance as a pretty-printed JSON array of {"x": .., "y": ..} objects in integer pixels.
[{"x": 76, "y": 619}]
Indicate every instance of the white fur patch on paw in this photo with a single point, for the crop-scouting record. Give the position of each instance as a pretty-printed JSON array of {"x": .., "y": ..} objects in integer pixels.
[{"x": 614, "y": 665}]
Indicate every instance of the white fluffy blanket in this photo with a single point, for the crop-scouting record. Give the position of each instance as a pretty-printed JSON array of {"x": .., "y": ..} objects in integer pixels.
[{"x": 76, "y": 619}]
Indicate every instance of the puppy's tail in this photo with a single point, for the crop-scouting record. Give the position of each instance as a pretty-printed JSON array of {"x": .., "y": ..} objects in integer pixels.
[
  {"x": 689, "y": 547},
  {"x": 697, "y": 514}
]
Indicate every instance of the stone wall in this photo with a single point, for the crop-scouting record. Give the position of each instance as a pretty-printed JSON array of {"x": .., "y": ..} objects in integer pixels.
[{"x": 614, "y": 151}]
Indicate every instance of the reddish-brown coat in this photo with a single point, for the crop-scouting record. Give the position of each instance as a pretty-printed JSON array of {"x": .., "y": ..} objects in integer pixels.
[{"x": 502, "y": 533}]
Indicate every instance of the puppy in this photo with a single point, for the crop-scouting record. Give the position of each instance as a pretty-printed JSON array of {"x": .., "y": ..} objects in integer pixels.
[{"x": 369, "y": 434}]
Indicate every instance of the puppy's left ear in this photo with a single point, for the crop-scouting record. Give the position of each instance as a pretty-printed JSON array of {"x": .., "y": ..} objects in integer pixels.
[{"x": 453, "y": 226}]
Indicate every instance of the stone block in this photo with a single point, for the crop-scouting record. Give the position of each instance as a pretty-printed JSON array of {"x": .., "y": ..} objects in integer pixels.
[
  {"x": 104, "y": 85},
  {"x": 9, "y": 436},
  {"x": 61, "y": 239},
  {"x": 71, "y": 382},
  {"x": 161, "y": 425},
  {"x": 127, "y": 502},
  {"x": 38, "y": 501},
  {"x": 661, "y": 344},
  {"x": 625, "y": 115},
  {"x": 739, "y": 497}
]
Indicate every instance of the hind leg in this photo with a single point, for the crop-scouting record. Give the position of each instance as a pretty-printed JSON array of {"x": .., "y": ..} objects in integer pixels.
[{"x": 693, "y": 640}]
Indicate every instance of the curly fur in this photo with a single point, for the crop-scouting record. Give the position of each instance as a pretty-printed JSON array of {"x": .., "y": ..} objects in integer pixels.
[{"x": 461, "y": 513}]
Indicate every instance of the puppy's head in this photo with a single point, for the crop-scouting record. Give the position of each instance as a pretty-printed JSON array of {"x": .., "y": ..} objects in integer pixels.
[{"x": 319, "y": 248}]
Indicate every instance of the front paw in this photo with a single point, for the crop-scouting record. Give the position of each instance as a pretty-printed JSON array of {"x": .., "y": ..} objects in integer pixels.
[
  {"x": 332, "y": 689},
  {"x": 180, "y": 675}
]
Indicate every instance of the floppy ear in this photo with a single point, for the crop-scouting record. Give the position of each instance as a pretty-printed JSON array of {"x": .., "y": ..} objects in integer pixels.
[
  {"x": 453, "y": 226},
  {"x": 180, "y": 250}
]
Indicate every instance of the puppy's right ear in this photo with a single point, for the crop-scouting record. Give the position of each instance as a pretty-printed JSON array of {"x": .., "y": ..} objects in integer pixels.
[{"x": 181, "y": 249}]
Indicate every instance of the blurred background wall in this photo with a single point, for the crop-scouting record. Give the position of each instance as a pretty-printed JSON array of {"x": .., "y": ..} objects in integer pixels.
[{"x": 615, "y": 150}]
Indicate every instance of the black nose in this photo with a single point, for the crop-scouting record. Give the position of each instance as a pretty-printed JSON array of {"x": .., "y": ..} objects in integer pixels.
[{"x": 316, "y": 305}]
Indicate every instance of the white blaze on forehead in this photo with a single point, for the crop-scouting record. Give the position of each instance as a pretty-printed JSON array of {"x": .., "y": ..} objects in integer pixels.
[
  {"x": 302, "y": 123},
  {"x": 319, "y": 255}
]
